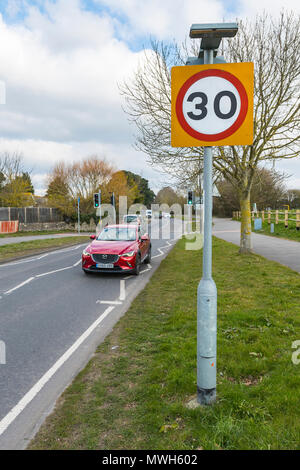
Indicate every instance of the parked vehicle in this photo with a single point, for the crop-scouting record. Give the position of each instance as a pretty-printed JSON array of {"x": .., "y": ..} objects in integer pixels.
[{"x": 118, "y": 248}]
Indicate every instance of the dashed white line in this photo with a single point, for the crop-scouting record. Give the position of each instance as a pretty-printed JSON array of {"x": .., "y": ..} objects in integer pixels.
[
  {"x": 109, "y": 302},
  {"x": 19, "y": 285},
  {"x": 55, "y": 271},
  {"x": 122, "y": 290},
  {"x": 21, "y": 405}
]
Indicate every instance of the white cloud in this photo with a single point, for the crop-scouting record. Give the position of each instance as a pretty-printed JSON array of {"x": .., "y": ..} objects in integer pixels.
[
  {"x": 61, "y": 69},
  {"x": 39, "y": 156},
  {"x": 168, "y": 19},
  {"x": 252, "y": 8}
]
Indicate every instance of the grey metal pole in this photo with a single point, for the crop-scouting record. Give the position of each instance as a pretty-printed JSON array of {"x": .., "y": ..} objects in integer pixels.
[
  {"x": 207, "y": 293},
  {"x": 78, "y": 200}
]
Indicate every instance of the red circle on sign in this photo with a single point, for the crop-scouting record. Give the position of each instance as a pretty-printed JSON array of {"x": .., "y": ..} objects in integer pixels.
[{"x": 237, "y": 123}]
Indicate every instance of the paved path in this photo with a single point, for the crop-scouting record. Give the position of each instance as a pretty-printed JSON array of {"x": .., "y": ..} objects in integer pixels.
[
  {"x": 286, "y": 252},
  {"x": 29, "y": 238}
]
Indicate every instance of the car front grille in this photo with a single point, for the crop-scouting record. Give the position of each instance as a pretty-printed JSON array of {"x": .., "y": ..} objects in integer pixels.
[{"x": 104, "y": 258}]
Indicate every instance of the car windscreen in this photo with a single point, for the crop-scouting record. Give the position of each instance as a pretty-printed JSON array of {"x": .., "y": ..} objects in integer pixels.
[{"x": 117, "y": 234}]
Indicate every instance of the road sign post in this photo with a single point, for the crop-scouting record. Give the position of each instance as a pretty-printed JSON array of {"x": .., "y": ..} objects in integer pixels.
[
  {"x": 207, "y": 292},
  {"x": 212, "y": 105}
]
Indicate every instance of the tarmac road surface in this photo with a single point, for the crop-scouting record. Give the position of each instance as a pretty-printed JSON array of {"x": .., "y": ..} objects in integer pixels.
[{"x": 52, "y": 318}]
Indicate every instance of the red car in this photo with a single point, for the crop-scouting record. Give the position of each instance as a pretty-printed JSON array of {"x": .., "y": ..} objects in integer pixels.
[{"x": 118, "y": 248}]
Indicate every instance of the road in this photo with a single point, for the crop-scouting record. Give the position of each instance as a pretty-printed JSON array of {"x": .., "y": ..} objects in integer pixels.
[
  {"x": 52, "y": 318},
  {"x": 286, "y": 252}
]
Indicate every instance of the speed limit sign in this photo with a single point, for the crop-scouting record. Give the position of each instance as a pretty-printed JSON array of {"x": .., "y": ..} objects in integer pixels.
[{"x": 212, "y": 105}]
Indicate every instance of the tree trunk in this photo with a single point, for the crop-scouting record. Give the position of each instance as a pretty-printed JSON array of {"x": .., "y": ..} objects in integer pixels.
[{"x": 246, "y": 243}]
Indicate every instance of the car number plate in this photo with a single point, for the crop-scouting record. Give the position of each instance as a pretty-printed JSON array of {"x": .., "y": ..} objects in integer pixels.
[{"x": 103, "y": 265}]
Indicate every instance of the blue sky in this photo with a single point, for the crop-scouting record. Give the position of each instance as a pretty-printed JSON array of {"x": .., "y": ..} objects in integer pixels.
[{"x": 61, "y": 61}]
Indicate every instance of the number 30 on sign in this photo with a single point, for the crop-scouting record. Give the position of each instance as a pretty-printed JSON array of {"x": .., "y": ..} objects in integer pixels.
[{"x": 212, "y": 105}]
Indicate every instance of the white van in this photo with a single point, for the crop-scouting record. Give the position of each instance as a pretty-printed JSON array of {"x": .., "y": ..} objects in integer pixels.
[{"x": 132, "y": 219}]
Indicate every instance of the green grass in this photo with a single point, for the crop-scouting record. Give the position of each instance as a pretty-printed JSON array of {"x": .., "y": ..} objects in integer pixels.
[
  {"x": 35, "y": 232},
  {"x": 18, "y": 250},
  {"x": 134, "y": 396},
  {"x": 280, "y": 230},
  {"x": 290, "y": 233}
]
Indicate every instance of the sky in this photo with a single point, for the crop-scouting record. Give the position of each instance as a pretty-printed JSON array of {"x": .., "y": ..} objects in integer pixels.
[{"x": 61, "y": 62}]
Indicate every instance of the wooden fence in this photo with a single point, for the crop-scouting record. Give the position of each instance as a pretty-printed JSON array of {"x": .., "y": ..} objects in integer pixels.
[{"x": 276, "y": 216}]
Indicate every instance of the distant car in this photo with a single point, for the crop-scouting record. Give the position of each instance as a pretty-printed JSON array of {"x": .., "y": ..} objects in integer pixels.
[
  {"x": 148, "y": 213},
  {"x": 166, "y": 215},
  {"x": 117, "y": 249},
  {"x": 131, "y": 219}
]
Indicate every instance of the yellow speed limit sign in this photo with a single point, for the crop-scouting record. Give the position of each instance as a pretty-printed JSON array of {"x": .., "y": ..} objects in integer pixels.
[{"x": 212, "y": 105}]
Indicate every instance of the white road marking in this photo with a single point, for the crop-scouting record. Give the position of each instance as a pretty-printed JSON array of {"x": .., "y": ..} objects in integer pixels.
[
  {"x": 42, "y": 256},
  {"x": 21, "y": 405},
  {"x": 78, "y": 262},
  {"x": 19, "y": 285},
  {"x": 110, "y": 302},
  {"x": 122, "y": 290},
  {"x": 145, "y": 270},
  {"x": 55, "y": 271}
]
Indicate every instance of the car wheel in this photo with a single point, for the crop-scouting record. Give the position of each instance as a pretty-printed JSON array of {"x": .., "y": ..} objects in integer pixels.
[
  {"x": 148, "y": 257},
  {"x": 137, "y": 265}
]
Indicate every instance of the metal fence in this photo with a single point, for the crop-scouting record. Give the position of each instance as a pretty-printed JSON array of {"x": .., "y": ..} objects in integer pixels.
[{"x": 30, "y": 215}]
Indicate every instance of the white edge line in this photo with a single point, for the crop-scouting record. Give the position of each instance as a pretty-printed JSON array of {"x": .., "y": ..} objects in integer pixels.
[
  {"x": 122, "y": 290},
  {"x": 28, "y": 397},
  {"x": 145, "y": 270},
  {"x": 110, "y": 302},
  {"x": 19, "y": 285}
]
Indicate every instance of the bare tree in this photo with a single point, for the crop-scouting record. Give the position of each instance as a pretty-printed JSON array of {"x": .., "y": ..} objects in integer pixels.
[
  {"x": 83, "y": 179},
  {"x": 15, "y": 184},
  {"x": 274, "y": 47},
  {"x": 268, "y": 190},
  {"x": 11, "y": 165}
]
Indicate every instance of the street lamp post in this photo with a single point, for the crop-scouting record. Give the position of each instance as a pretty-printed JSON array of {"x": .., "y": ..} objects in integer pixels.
[{"x": 211, "y": 35}]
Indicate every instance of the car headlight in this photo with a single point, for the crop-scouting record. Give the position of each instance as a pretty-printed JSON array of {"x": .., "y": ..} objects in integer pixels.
[
  {"x": 86, "y": 253},
  {"x": 128, "y": 255}
]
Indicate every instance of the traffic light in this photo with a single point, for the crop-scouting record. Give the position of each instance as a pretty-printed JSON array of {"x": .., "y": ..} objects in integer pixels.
[
  {"x": 97, "y": 199},
  {"x": 190, "y": 198}
]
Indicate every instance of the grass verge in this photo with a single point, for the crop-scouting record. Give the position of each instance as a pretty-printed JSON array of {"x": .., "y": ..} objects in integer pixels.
[
  {"x": 18, "y": 250},
  {"x": 133, "y": 393},
  {"x": 280, "y": 231},
  {"x": 290, "y": 233},
  {"x": 34, "y": 232}
]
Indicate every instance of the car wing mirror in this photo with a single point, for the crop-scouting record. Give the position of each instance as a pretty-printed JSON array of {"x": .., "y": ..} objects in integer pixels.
[{"x": 92, "y": 237}]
